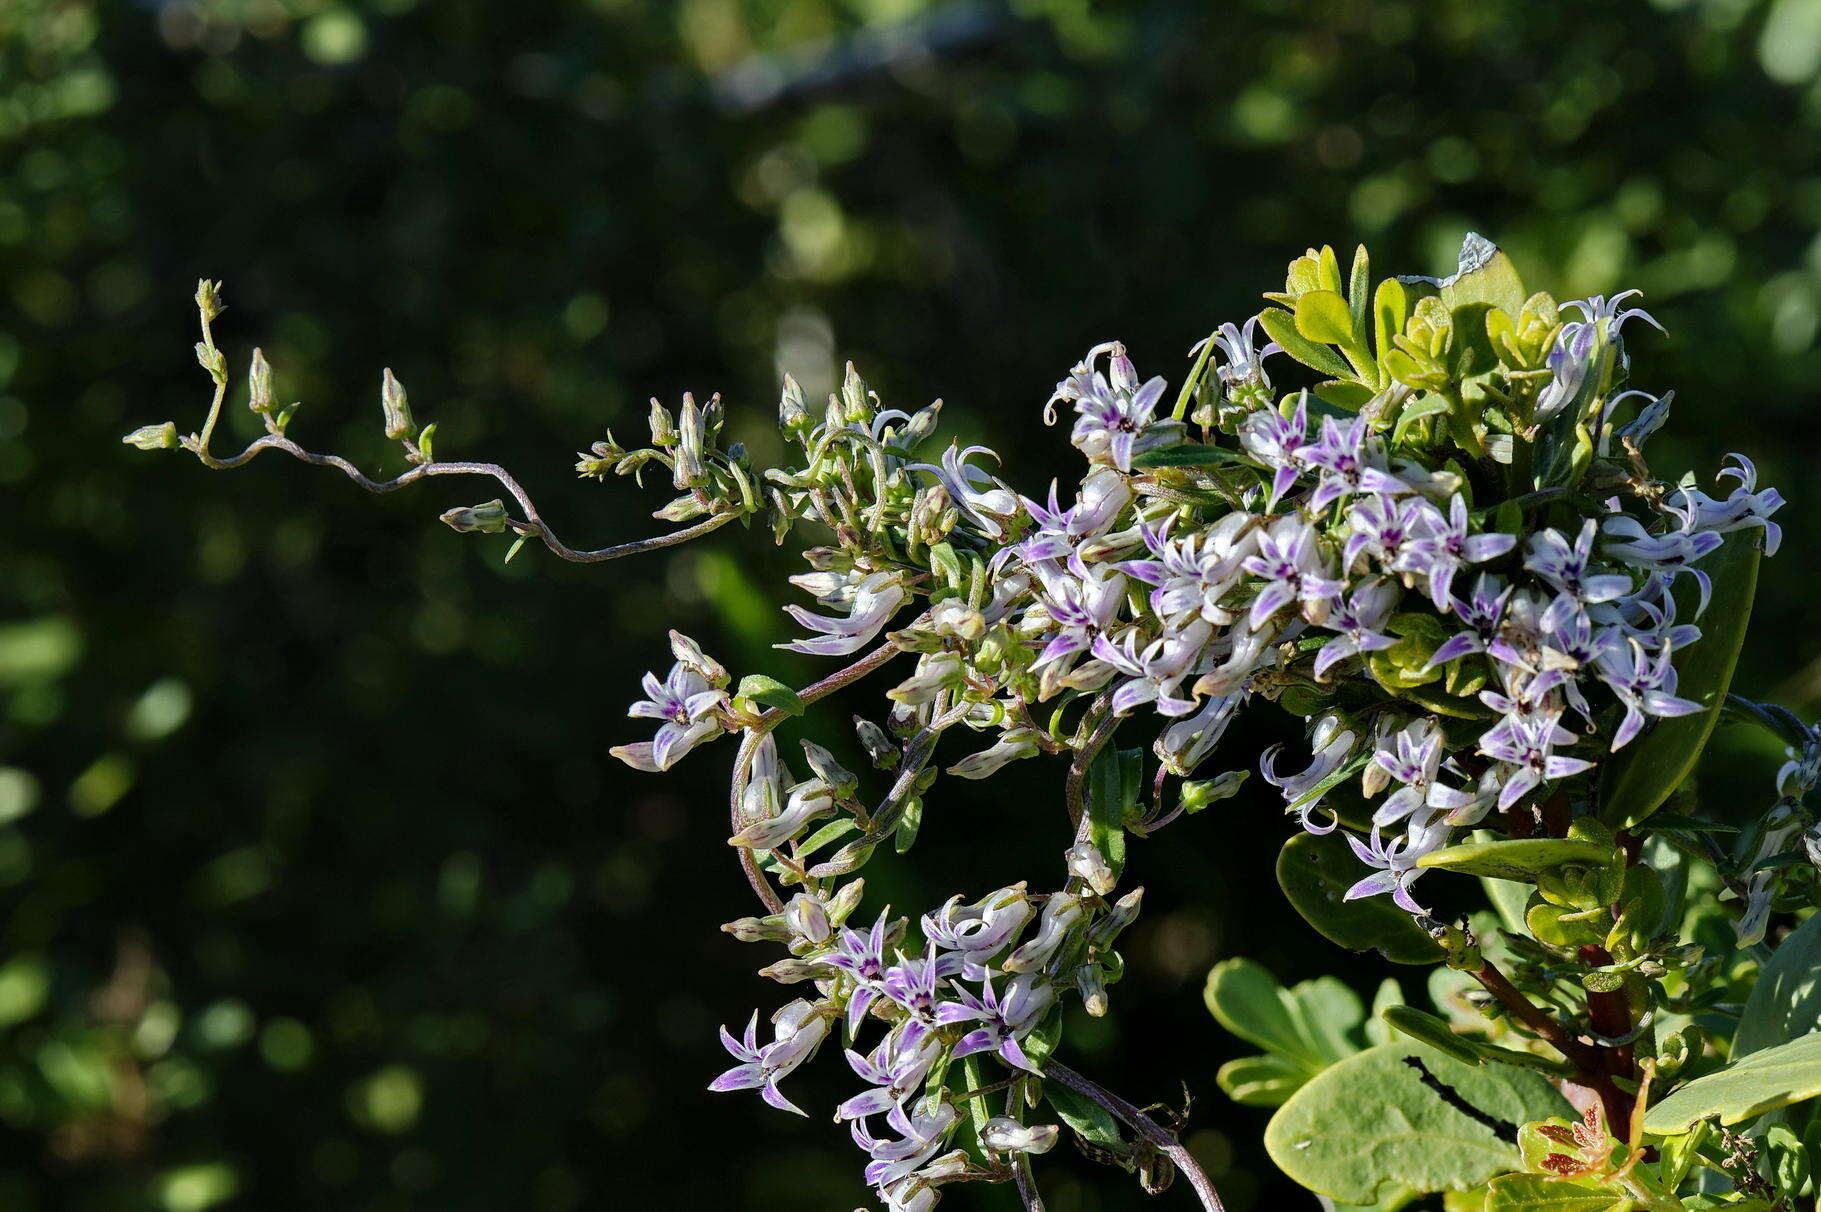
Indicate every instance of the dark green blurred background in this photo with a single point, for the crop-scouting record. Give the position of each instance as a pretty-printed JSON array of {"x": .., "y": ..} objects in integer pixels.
[{"x": 317, "y": 885}]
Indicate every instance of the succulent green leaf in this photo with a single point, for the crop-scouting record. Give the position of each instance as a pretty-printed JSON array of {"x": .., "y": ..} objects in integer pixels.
[
  {"x": 1520, "y": 859},
  {"x": 1344, "y": 394},
  {"x": 1315, "y": 873},
  {"x": 1642, "y": 775},
  {"x": 1307, "y": 1025},
  {"x": 1426, "y": 1028},
  {"x": 1359, "y": 292},
  {"x": 1110, "y": 795},
  {"x": 1764, "y": 1081},
  {"x": 1370, "y": 1126},
  {"x": 1786, "y": 1001}
]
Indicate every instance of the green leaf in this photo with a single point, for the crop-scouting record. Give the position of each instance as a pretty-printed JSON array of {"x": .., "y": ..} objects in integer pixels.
[
  {"x": 1369, "y": 1126},
  {"x": 1281, "y": 326},
  {"x": 770, "y": 692},
  {"x": 1390, "y": 308},
  {"x": 1306, "y": 1025},
  {"x": 1359, "y": 291},
  {"x": 1261, "y": 1081},
  {"x": 1786, "y": 1001},
  {"x": 1315, "y": 873},
  {"x": 1764, "y": 1081},
  {"x": 1520, "y": 859},
  {"x": 1323, "y": 316},
  {"x": 1426, "y": 1028},
  {"x": 1344, "y": 394},
  {"x": 1470, "y": 353},
  {"x": 1192, "y": 454},
  {"x": 1508, "y": 901},
  {"x": 1643, "y": 774},
  {"x": 1486, "y": 275},
  {"x": 1532, "y": 1193},
  {"x": 1089, "y": 1119},
  {"x": 1110, "y": 794}
]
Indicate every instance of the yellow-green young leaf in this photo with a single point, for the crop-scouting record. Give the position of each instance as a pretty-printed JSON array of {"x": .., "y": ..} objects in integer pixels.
[
  {"x": 770, "y": 692},
  {"x": 1281, "y": 326},
  {"x": 1315, "y": 873},
  {"x": 1641, "y": 776},
  {"x": 1786, "y": 1001},
  {"x": 1520, "y": 859},
  {"x": 1329, "y": 267},
  {"x": 1322, "y": 316},
  {"x": 1764, "y": 1081},
  {"x": 1359, "y": 291},
  {"x": 1372, "y": 1125},
  {"x": 1390, "y": 308},
  {"x": 1532, "y": 1193}
]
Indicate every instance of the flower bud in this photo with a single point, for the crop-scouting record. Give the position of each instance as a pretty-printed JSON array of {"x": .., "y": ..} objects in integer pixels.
[
  {"x": 663, "y": 428},
  {"x": 1202, "y": 792},
  {"x": 807, "y": 918},
  {"x": 921, "y": 425},
  {"x": 1086, "y": 863},
  {"x": 259, "y": 383},
  {"x": 1090, "y": 982},
  {"x": 487, "y": 518},
  {"x": 879, "y": 748},
  {"x": 844, "y": 902},
  {"x": 689, "y": 470},
  {"x": 757, "y": 930},
  {"x": 208, "y": 299},
  {"x": 1125, "y": 912},
  {"x": 153, "y": 437},
  {"x": 855, "y": 399},
  {"x": 954, "y": 617},
  {"x": 793, "y": 971},
  {"x": 841, "y": 781},
  {"x": 212, "y": 360},
  {"x": 1003, "y": 1135},
  {"x": 793, "y": 412},
  {"x": 393, "y": 406}
]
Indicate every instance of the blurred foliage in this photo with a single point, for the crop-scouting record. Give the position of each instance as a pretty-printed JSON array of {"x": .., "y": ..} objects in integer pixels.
[{"x": 316, "y": 883}]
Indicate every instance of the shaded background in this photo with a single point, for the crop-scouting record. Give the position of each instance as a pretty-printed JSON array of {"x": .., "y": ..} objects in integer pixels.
[{"x": 317, "y": 886}]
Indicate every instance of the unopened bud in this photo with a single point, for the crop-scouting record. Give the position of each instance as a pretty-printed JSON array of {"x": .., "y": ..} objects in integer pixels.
[
  {"x": 841, "y": 781},
  {"x": 259, "y": 383},
  {"x": 1125, "y": 912},
  {"x": 689, "y": 654},
  {"x": 807, "y": 918},
  {"x": 153, "y": 437},
  {"x": 879, "y": 748},
  {"x": 1202, "y": 792},
  {"x": 663, "y": 428},
  {"x": 488, "y": 518},
  {"x": 758, "y": 930},
  {"x": 854, "y": 399},
  {"x": 844, "y": 902},
  {"x": 1092, "y": 986},
  {"x": 212, "y": 360},
  {"x": 396, "y": 409},
  {"x": 793, "y": 411},
  {"x": 792, "y": 971},
  {"x": 1003, "y": 1135},
  {"x": 208, "y": 299}
]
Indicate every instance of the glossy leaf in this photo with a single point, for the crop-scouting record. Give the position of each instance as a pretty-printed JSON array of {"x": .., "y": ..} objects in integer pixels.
[
  {"x": 1261, "y": 1081},
  {"x": 1643, "y": 774},
  {"x": 1786, "y": 1001},
  {"x": 1486, "y": 275},
  {"x": 1533, "y": 1193},
  {"x": 1315, "y": 873},
  {"x": 1308, "y": 1024},
  {"x": 1370, "y": 1126},
  {"x": 1764, "y": 1081},
  {"x": 1520, "y": 859}
]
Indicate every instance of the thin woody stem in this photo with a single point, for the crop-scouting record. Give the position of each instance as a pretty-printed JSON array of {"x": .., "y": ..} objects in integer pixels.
[
  {"x": 533, "y": 523},
  {"x": 1154, "y": 1133}
]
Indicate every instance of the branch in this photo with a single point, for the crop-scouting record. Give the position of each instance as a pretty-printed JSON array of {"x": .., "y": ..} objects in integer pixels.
[{"x": 1153, "y": 1133}]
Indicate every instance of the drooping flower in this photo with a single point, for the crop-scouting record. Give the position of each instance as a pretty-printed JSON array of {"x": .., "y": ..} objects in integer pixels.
[
  {"x": 688, "y": 705},
  {"x": 797, "y": 1030},
  {"x": 872, "y": 599}
]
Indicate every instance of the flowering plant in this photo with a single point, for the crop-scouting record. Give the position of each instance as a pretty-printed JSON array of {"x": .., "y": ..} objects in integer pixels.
[{"x": 1445, "y": 550}]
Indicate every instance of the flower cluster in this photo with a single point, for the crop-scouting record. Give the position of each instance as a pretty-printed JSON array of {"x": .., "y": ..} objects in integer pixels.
[{"x": 1446, "y": 553}]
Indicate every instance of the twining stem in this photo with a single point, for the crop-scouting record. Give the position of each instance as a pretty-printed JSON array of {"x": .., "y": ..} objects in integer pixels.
[
  {"x": 1154, "y": 1133},
  {"x": 533, "y": 523},
  {"x": 1027, "y": 1185}
]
